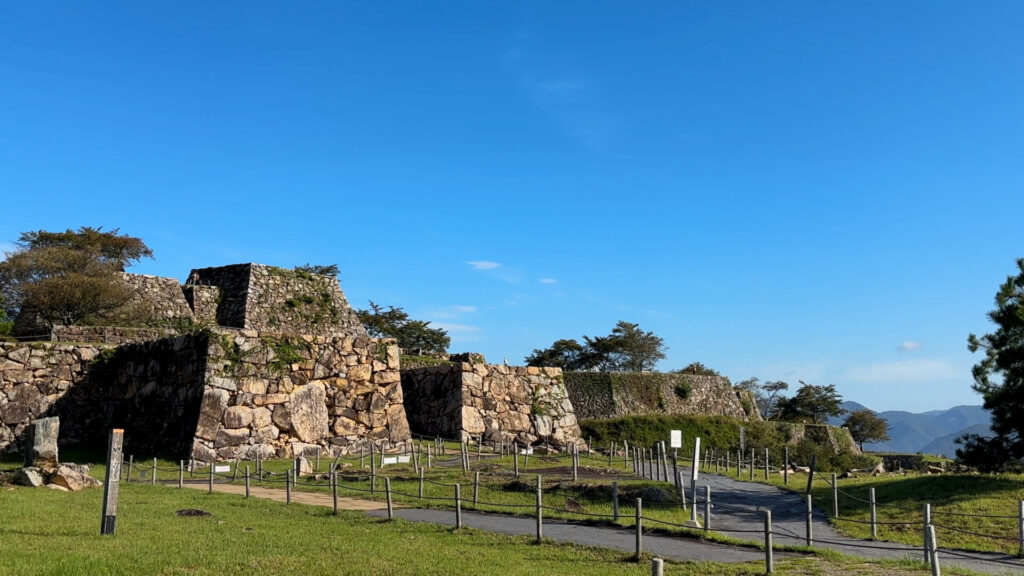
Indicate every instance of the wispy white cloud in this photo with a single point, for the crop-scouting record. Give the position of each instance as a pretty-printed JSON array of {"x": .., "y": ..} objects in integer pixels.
[
  {"x": 909, "y": 346},
  {"x": 483, "y": 264},
  {"x": 463, "y": 309},
  {"x": 915, "y": 370},
  {"x": 548, "y": 281}
]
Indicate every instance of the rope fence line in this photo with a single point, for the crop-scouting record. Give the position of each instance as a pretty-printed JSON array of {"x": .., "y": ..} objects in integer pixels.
[{"x": 656, "y": 464}]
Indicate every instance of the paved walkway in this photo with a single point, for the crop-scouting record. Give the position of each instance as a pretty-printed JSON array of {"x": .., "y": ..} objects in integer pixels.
[
  {"x": 737, "y": 505},
  {"x": 737, "y": 508}
]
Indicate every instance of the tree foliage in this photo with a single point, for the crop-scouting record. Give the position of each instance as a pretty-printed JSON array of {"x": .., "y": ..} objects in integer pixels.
[
  {"x": 767, "y": 395},
  {"x": 816, "y": 403},
  {"x": 999, "y": 378},
  {"x": 866, "y": 426},
  {"x": 394, "y": 322},
  {"x": 69, "y": 277},
  {"x": 627, "y": 348},
  {"x": 322, "y": 269}
]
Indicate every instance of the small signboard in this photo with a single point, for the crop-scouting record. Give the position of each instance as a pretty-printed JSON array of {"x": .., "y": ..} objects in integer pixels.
[
  {"x": 221, "y": 469},
  {"x": 676, "y": 439},
  {"x": 385, "y": 460},
  {"x": 404, "y": 459},
  {"x": 527, "y": 450}
]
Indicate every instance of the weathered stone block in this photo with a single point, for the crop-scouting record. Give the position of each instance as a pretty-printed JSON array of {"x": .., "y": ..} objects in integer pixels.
[
  {"x": 41, "y": 442},
  {"x": 309, "y": 413},
  {"x": 211, "y": 411},
  {"x": 231, "y": 437},
  {"x": 238, "y": 417}
]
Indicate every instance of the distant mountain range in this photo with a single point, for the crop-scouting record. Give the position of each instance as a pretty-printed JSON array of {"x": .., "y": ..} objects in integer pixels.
[{"x": 927, "y": 432}]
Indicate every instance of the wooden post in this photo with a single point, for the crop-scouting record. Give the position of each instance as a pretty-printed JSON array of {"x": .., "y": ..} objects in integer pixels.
[
  {"x": 421, "y": 482},
  {"x": 727, "y": 463},
  {"x": 926, "y": 514},
  {"x": 515, "y": 456},
  {"x": 625, "y": 453},
  {"x": 675, "y": 469},
  {"x": 707, "y": 508},
  {"x": 664, "y": 463},
  {"x": 362, "y": 456},
  {"x": 769, "y": 561},
  {"x": 1020, "y": 527},
  {"x": 766, "y": 464},
  {"x": 387, "y": 488},
  {"x": 131, "y": 465},
  {"x": 246, "y": 481},
  {"x": 181, "y": 473},
  {"x": 681, "y": 488},
  {"x": 210, "y": 490},
  {"x": 430, "y": 463},
  {"x": 739, "y": 462},
  {"x": 234, "y": 473},
  {"x": 835, "y": 496},
  {"x": 639, "y": 528},
  {"x": 476, "y": 487},
  {"x": 874, "y": 514},
  {"x": 479, "y": 446},
  {"x": 373, "y": 469},
  {"x": 458, "y": 507},
  {"x": 611, "y": 453},
  {"x": 752, "y": 464},
  {"x": 112, "y": 482},
  {"x": 936, "y": 570},
  {"x": 334, "y": 491},
  {"x": 288, "y": 487},
  {"x": 810, "y": 521},
  {"x": 317, "y": 469},
  {"x": 810, "y": 476},
  {"x": 152, "y": 481},
  {"x": 785, "y": 472},
  {"x": 615, "y": 501},
  {"x": 540, "y": 510},
  {"x": 575, "y": 463}
]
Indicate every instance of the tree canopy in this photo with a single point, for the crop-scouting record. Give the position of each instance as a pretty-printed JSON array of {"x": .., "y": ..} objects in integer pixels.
[
  {"x": 866, "y": 426},
  {"x": 627, "y": 348},
  {"x": 69, "y": 277},
  {"x": 999, "y": 378},
  {"x": 816, "y": 403},
  {"x": 393, "y": 322},
  {"x": 767, "y": 395}
]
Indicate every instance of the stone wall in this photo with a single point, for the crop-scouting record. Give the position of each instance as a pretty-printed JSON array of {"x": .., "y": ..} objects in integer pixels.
[
  {"x": 156, "y": 300},
  {"x": 258, "y": 297},
  {"x": 220, "y": 395},
  {"x": 33, "y": 377},
  {"x": 269, "y": 394},
  {"x": 613, "y": 394},
  {"x": 108, "y": 334},
  {"x": 465, "y": 400},
  {"x": 204, "y": 301}
]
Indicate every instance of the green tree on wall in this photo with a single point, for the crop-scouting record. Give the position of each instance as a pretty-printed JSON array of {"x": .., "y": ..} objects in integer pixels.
[
  {"x": 816, "y": 403},
  {"x": 999, "y": 378},
  {"x": 69, "y": 277},
  {"x": 393, "y": 322},
  {"x": 627, "y": 348},
  {"x": 866, "y": 426}
]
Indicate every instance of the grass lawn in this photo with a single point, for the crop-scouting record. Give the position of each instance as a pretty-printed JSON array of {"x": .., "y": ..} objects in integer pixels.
[{"x": 49, "y": 532}]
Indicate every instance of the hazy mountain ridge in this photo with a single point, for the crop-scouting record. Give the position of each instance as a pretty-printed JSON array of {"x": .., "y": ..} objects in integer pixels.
[{"x": 929, "y": 432}]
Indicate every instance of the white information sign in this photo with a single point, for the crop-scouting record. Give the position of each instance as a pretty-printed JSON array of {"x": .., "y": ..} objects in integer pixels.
[
  {"x": 676, "y": 439},
  {"x": 221, "y": 469}
]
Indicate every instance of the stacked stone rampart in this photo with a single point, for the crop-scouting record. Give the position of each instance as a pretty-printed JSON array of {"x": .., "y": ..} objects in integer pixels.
[
  {"x": 33, "y": 377},
  {"x": 110, "y": 334},
  {"x": 258, "y": 297},
  {"x": 469, "y": 400},
  {"x": 270, "y": 394},
  {"x": 614, "y": 394}
]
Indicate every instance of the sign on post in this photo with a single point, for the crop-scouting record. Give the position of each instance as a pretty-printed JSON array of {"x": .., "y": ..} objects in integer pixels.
[
  {"x": 112, "y": 482},
  {"x": 676, "y": 439}
]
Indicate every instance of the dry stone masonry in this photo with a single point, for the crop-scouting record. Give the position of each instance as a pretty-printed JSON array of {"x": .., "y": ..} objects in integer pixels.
[
  {"x": 610, "y": 395},
  {"x": 473, "y": 399}
]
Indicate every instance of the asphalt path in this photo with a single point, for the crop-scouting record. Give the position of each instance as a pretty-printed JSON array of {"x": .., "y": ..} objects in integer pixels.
[{"x": 737, "y": 508}]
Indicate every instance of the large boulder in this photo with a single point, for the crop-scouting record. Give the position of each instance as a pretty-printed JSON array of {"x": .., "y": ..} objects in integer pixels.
[
  {"x": 41, "y": 442},
  {"x": 29, "y": 476},
  {"x": 309, "y": 413},
  {"x": 211, "y": 411},
  {"x": 73, "y": 478}
]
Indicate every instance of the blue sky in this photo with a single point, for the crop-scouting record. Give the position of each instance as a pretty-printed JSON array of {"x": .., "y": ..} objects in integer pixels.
[{"x": 817, "y": 191}]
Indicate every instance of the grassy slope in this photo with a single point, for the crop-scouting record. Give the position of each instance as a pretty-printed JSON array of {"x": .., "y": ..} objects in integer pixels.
[{"x": 48, "y": 532}]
